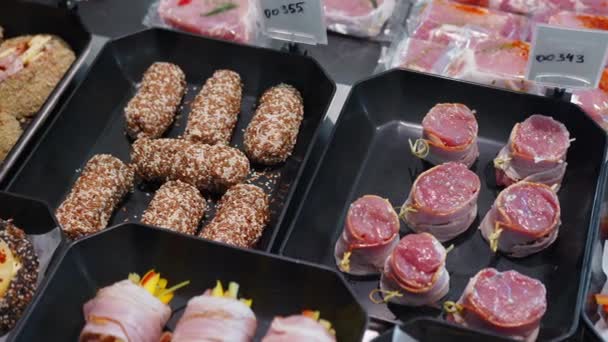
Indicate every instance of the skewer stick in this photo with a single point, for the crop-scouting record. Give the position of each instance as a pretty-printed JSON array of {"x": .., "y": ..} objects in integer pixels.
[
  {"x": 383, "y": 299},
  {"x": 420, "y": 148}
]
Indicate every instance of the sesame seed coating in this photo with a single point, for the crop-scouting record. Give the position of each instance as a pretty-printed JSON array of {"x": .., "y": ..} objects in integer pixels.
[
  {"x": 87, "y": 209},
  {"x": 177, "y": 206},
  {"x": 241, "y": 217},
  {"x": 212, "y": 168},
  {"x": 152, "y": 110},
  {"x": 23, "y": 286},
  {"x": 271, "y": 135},
  {"x": 215, "y": 109}
]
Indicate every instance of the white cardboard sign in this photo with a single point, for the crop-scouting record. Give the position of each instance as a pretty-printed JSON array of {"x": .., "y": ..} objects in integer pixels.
[
  {"x": 299, "y": 21},
  {"x": 567, "y": 58}
]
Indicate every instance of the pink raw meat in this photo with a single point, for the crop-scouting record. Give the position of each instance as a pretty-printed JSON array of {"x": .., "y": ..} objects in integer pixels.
[
  {"x": 578, "y": 20},
  {"x": 416, "y": 270},
  {"x": 506, "y": 303},
  {"x": 536, "y": 152},
  {"x": 358, "y": 17},
  {"x": 524, "y": 7},
  {"x": 595, "y": 103},
  {"x": 297, "y": 328},
  {"x": 497, "y": 23},
  {"x": 197, "y": 16},
  {"x": 528, "y": 217},
  {"x": 371, "y": 230},
  {"x": 420, "y": 55},
  {"x": 443, "y": 201}
]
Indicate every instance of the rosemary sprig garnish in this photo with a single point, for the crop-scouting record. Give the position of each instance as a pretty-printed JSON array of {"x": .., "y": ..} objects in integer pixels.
[{"x": 221, "y": 9}]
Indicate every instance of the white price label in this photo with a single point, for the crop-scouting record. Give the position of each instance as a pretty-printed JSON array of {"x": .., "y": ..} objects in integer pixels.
[
  {"x": 299, "y": 21},
  {"x": 567, "y": 58}
]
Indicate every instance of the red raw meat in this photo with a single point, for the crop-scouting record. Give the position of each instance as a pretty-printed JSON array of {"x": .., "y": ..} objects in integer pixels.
[
  {"x": 524, "y": 219},
  {"x": 443, "y": 201},
  {"x": 416, "y": 270},
  {"x": 506, "y": 303},
  {"x": 231, "y": 22},
  {"x": 536, "y": 152},
  {"x": 358, "y": 17},
  {"x": 371, "y": 230}
]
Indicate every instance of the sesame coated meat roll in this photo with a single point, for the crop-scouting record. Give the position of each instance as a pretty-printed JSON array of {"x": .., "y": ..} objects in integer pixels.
[
  {"x": 104, "y": 181},
  {"x": 177, "y": 206},
  {"x": 152, "y": 110},
  {"x": 241, "y": 217},
  {"x": 272, "y": 133},
  {"x": 212, "y": 168},
  {"x": 215, "y": 109}
]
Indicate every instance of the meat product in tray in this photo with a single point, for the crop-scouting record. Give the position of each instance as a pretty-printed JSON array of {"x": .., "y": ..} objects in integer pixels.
[
  {"x": 415, "y": 274},
  {"x": 524, "y": 219},
  {"x": 449, "y": 133},
  {"x": 300, "y": 328},
  {"x": 443, "y": 201},
  {"x": 134, "y": 309},
  {"x": 536, "y": 152},
  {"x": 506, "y": 303},
  {"x": 363, "y": 18},
  {"x": 371, "y": 231}
]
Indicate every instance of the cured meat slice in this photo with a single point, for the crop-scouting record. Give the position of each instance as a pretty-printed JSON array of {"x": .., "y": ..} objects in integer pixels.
[
  {"x": 414, "y": 274},
  {"x": 299, "y": 328},
  {"x": 216, "y": 316},
  {"x": 579, "y": 20},
  {"x": 227, "y": 20},
  {"x": 496, "y": 23},
  {"x": 443, "y": 201},
  {"x": 364, "y": 18},
  {"x": 371, "y": 231},
  {"x": 507, "y": 303},
  {"x": 524, "y": 219},
  {"x": 420, "y": 55},
  {"x": 536, "y": 152},
  {"x": 449, "y": 133}
]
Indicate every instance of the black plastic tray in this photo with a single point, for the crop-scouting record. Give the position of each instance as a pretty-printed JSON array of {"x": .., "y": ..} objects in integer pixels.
[
  {"x": 92, "y": 121},
  {"x": 31, "y": 215},
  {"x": 278, "y": 286},
  {"x": 369, "y": 153},
  {"x": 20, "y": 18}
]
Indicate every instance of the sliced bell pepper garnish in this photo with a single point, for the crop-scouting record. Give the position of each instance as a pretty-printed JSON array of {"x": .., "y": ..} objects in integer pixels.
[
  {"x": 134, "y": 277},
  {"x": 156, "y": 285},
  {"x": 151, "y": 282},
  {"x": 146, "y": 277},
  {"x": 311, "y": 314},
  {"x": 601, "y": 299},
  {"x": 218, "y": 290},
  {"x": 316, "y": 315},
  {"x": 247, "y": 302},
  {"x": 162, "y": 284},
  {"x": 233, "y": 290}
]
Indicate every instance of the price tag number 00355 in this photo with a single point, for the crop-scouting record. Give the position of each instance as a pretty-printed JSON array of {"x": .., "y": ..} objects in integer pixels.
[
  {"x": 293, "y": 8},
  {"x": 561, "y": 58}
]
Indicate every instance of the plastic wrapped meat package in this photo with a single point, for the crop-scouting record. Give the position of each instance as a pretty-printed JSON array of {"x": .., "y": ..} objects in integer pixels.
[
  {"x": 528, "y": 7},
  {"x": 233, "y": 20},
  {"x": 599, "y": 272},
  {"x": 594, "y": 101},
  {"x": 437, "y": 13},
  {"x": 364, "y": 18}
]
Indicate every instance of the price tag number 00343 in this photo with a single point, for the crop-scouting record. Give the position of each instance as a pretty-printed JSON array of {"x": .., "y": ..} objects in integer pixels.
[
  {"x": 561, "y": 58},
  {"x": 293, "y": 8}
]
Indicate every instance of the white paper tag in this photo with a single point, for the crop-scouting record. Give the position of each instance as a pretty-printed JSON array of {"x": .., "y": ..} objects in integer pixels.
[
  {"x": 567, "y": 58},
  {"x": 299, "y": 21}
]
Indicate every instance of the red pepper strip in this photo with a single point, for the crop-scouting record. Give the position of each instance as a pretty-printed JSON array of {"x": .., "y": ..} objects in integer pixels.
[
  {"x": 184, "y": 2},
  {"x": 147, "y": 277}
]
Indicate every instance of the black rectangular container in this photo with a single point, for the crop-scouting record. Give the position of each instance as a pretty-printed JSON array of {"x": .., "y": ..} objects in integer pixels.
[
  {"x": 92, "y": 121},
  {"x": 369, "y": 154},
  {"x": 278, "y": 286},
  {"x": 21, "y": 18}
]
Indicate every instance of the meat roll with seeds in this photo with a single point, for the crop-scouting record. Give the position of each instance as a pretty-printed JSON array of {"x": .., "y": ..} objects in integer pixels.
[
  {"x": 209, "y": 168},
  {"x": 215, "y": 109},
  {"x": 272, "y": 133},
  {"x": 241, "y": 217},
  {"x": 104, "y": 181},
  {"x": 177, "y": 206},
  {"x": 152, "y": 110},
  {"x": 18, "y": 274}
]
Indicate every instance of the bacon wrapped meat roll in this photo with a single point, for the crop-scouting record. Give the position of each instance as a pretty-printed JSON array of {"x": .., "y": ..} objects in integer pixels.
[{"x": 300, "y": 328}]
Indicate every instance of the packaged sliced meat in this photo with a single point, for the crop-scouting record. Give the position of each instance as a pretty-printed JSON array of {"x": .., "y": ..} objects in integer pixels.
[
  {"x": 496, "y": 23},
  {"x": 536, "y": 152},
  {"x": 364, "y": 18},
  {"x": 505, "y": 303},
  {"x": 152, "y": 110},
  {"x": 104, "y": 181},
  {"x": 443, "y": 201},
  {"x": 215, "y": 109},
  {"x": 414, "y": 274},
  {"x": 177, "y": 206},
  {"x": 524, "y": 219},
  {"x": 217, "y": 315},
  {"x": 371, "y": 231},
  {"x": 528, "y": 7},
  {"x": 420, "y": 55},
  {"x": 595, "y": 103},
  {"x": 449, "y": 133},
  {"x": 135, "y": 309},
  {"x": 300, "y": 328},
  {"x": 579, "y": 20},
  {"x": 232, "y": 20}
]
